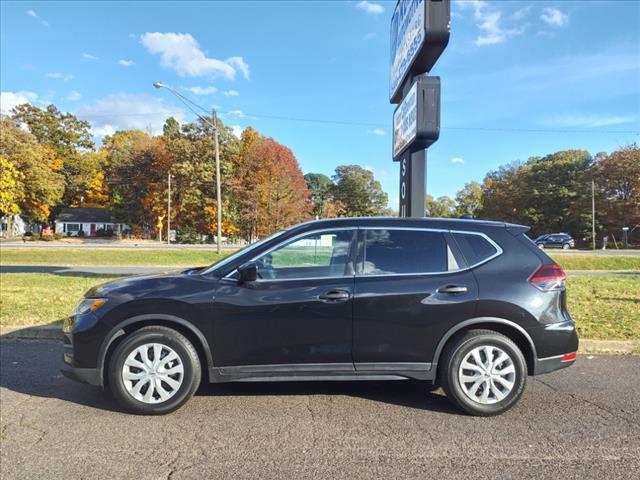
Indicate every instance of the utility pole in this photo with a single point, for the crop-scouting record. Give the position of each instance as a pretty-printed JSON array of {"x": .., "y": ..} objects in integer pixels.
[
  {"x": 218, "y": 194},
  {"x": 169, "y": 211},
  {"x": 593, "y": 214}
]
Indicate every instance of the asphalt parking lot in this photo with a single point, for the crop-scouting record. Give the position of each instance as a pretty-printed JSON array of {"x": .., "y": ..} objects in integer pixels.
[{"x": 582, "y": 422}]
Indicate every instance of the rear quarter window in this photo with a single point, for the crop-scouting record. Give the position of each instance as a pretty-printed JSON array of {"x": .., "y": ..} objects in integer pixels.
[{"x": 475, "y": 248}]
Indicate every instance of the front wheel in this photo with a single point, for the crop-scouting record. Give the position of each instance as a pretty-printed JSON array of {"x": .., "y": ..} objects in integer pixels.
[
  {"x": 483, "y": 372},
  {"x": 155, "y": 370},
  {"x": 566, "y": 246}
]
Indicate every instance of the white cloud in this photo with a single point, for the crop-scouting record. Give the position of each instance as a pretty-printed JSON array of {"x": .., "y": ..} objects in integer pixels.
[
  {"x": 181, "y": 53},
  {"x": 231, "y": 93},
  {"x": 42, "y": 21},
  {"x": 589, "y": 120},
  {"x": 203, "y": 90},
  {"x": 521, "y": 13},
  {"x": 126, "y": 63},
  {"x": 126, "y": 111},
  {"x": 554, "y": 17},
  {"x": 74, "y": 96},
  {"x": 236, "y": 130},
  {"x": 9, "y": 100},
  {"x": 58, "y": 75},
  {"x": 235, "y": 114},
  {"x": 457, "y": 160},
  {"x": 369, "y": 36},
  {"x": 370, "y": 7},
  {"x": 489, "y": 20},
  {"x": 88, "y": 56},
  {"x": 376, "y": 131}
]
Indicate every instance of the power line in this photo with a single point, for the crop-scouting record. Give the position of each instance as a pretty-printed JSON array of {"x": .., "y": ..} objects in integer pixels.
[{"x": 359, "y": 123}]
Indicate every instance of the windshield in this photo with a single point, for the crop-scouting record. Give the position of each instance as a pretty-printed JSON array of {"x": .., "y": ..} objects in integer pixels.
[{"x": 221, "y": 263}]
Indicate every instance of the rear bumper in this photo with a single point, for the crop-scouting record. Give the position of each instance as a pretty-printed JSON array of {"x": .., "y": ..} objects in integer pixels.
[{"x": 550, "y": 364}]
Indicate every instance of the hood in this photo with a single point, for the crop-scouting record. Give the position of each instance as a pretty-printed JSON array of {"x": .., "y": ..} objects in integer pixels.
[{"x": 139, "y": 285}]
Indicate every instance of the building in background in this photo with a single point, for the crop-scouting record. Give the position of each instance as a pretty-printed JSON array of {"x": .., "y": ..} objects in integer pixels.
[{"x": 87, "y": 222}]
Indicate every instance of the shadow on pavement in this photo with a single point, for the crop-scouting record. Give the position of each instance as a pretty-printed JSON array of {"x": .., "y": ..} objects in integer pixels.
[{"x": 32, "y": 367}]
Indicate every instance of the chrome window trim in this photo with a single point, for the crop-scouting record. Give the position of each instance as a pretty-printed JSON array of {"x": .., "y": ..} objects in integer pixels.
[
  {"x": 499, "y": 252},
  {"x": 291, "y": 240}
]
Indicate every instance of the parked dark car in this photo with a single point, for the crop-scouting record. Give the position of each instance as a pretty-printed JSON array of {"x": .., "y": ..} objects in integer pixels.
[
  {"x": 555, "y": 240},
  {"x": 473, "y": 306}
]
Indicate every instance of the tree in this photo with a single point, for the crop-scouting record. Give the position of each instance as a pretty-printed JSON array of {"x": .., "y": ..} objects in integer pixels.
[
  {"x": 11, "y": 188},
  {"x": 469, "y": 200},
  {"x": 356, "y": 189},
  {"x": 320, "y": 186},
  {"x": 442, "y": 207},
  {"x": 67, "y": 135},
  {"x": 42, "y": 180},
  {"x": 617, "y": 177}
]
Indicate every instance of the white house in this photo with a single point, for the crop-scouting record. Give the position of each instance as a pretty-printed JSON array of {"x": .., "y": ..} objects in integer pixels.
[{"x": 71, "y": 221}]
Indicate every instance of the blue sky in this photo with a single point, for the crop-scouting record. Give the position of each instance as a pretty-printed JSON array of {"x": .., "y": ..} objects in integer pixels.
[{"x": 553, "y": 67}]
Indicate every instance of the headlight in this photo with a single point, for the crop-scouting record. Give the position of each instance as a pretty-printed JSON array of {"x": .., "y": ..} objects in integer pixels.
[{"x": 87, "y": 305}]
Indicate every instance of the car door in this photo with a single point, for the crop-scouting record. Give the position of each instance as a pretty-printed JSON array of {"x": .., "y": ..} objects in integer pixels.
[
  {"x": 410, "y": 288},
  {"x": 298, "y": 313}
]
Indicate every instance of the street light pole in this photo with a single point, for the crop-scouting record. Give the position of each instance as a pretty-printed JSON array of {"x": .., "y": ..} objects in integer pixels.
[
  {"x": 214, "y": 125},
  {"x": 218, "y": 188},
  {"x": 169, "y": 211}
]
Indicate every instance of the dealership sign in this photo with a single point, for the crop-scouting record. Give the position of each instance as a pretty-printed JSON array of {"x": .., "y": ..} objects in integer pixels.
[
  {"x": 419, "y": 35},
  {"x": 416, "y": 121}
]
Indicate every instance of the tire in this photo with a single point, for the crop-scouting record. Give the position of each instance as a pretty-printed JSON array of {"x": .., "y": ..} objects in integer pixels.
[
  {"x": 540, "y": 246},
  {"x": 169, "y": 391},
  {"x": 566, "y": 246},
  {"x": 470, "y": 396}
]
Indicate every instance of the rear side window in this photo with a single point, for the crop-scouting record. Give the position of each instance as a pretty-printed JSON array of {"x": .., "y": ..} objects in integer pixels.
[
  {"x": 406, "y": 252},
  {"x": 475, "y": 248}
]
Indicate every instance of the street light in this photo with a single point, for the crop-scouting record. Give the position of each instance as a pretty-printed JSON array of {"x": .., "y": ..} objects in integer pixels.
[{"x": 214, "y": 125}]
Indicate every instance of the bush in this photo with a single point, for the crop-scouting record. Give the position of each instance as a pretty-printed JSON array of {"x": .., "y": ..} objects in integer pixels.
[
  {"x": 104, "y": 232},
  {"x": 187, "y": 235},
  {"x": 80, "y": 233},
  {"x": 44, "y": 238}
]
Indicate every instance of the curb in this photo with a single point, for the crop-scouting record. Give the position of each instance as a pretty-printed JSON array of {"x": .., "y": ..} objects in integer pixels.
[
  {"x": 54, "y": 332},
  {"x": 39, "y": 332}
]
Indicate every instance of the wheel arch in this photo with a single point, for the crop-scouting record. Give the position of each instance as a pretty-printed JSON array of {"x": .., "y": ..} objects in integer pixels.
[
  {"x": 506, "y": 327},
  {"x": 130, "y": 325}
]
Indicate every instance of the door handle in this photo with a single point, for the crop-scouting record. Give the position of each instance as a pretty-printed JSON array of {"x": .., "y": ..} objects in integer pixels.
[
  {"x": 335, "y": 296},
  {"x": 453, "y": 289}
]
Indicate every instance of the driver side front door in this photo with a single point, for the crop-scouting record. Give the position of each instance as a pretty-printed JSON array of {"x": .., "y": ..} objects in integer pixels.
[{"x": 297, "y": 315}]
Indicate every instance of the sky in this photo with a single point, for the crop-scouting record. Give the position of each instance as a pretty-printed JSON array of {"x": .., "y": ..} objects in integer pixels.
[{"x": 519, "y": 78}]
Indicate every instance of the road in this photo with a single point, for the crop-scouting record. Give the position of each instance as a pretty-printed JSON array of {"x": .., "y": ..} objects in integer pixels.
[{"x": 582, "y": 422}]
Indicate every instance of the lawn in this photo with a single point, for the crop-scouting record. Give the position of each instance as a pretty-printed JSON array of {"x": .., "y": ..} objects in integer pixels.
[
  {"x": 604, "y": 307},
  {"x": 183, "y": 257},
  {"x": 65, "y": 256},
  {"x": 579, "y": 261}
]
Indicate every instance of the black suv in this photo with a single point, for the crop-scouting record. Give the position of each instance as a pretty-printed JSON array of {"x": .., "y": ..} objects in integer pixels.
[
  {"x": 555, "y": 240},
  {"x": 470, "y": 305}
]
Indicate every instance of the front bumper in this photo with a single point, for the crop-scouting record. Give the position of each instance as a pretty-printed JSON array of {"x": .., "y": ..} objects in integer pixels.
[{"x": 84, "y": 375}]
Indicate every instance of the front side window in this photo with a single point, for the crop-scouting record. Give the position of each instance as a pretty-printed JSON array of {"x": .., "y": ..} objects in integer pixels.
[
  {"x": 406, "y": 252},
  {"x": 317, "y": 255}
]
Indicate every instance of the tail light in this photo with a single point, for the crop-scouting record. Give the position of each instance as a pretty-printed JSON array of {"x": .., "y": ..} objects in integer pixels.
[{"x": 548, "y": 277}]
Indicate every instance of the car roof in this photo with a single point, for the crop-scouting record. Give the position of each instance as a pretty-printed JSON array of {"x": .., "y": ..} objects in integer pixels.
[{"x": 428, "y": 222}]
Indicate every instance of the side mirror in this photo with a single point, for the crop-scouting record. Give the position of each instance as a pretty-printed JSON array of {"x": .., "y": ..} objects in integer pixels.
[{"x": 247, "y": 272}]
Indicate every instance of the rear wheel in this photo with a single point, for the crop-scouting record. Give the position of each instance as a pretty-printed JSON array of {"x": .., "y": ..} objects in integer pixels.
[
  {"x": 483, "y": 372},
  {"x": 566, "y": 246},
  {"x": 154, "y": 371}
]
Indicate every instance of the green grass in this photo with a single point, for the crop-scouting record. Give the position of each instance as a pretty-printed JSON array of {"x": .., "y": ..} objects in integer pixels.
[
  {"x": 191, "y": 257},
  {"x": 109, "y": 256},
  {"x": 41, "y": 298},
  {"x": 604, "y": 307},
  {"x": 579, "y": 261}
]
